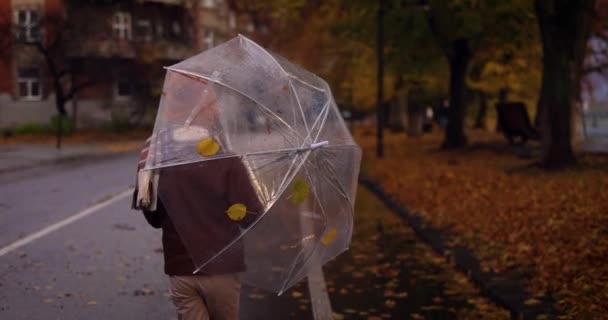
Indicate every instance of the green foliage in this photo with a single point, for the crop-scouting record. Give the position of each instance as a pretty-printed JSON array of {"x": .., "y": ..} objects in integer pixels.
[
  {"x": 67, "y": 124},
  {"x": 68, "y": 127},
  {"x": 32, "y": 128},
  {"x": 339, "y": 39}
]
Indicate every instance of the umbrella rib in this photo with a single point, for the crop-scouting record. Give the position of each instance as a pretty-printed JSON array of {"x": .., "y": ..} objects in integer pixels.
[
  {"x": 316, "y": 245},
  {"x": 325, "y": 107},
  {"x": 268, "y": 206},
  {"x": 281, "y": 66},
  {"x": 306, "y": 83},
  {"x": 332, "y": 178},
  {"x": 292, "y": 268},
  {"x": 157, "y": 166},
  {"x": 289, "y": 172},
  {"x": 323, "y": 121},
  {"x": 274, "y": 115},
  {"x": 341, "y": 190},
  {"x": 293, "y": 89},
  {"x": 267, "y": 53}
]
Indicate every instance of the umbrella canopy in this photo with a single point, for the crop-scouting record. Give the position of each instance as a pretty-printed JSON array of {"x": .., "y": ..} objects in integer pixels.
[{"x": 270, "y": 134}]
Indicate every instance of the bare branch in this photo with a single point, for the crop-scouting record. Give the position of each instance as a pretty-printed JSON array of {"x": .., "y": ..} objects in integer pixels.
[{"x": 77, "y": 88}]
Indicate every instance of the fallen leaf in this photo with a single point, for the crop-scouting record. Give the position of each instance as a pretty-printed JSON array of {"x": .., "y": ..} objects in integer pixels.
[
  {"x": 237, "y": 212},
  {"x": 532, "y": 302},
  {"x": 390, "y": 303},
  {"x": 207, "y": 147},
  {"x": 299, "y": 191}
]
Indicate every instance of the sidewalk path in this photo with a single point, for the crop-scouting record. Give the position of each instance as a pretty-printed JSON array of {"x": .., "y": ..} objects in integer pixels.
[{"x": 23, "y": 156}]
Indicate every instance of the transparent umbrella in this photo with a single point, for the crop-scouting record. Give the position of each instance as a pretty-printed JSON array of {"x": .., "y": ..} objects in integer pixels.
[{"x": 265, "y": 139}]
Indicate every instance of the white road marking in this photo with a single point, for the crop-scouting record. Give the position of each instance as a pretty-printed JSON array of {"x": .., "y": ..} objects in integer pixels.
[
  {"x": 60, "y": 224},
  {"x": 319, "y": 298}
]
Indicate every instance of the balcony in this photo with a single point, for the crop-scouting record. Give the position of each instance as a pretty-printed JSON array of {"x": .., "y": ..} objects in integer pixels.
[
  {"x": 129, "y": 49},
  {"x": 150, "y": 29}
]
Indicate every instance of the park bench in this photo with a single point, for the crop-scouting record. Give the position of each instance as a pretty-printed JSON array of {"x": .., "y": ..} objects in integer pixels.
[{"x": 514, "y": 121}]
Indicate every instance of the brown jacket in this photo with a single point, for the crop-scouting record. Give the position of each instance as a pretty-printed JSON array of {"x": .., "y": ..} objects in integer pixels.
[{"x": 198, "y": 195}]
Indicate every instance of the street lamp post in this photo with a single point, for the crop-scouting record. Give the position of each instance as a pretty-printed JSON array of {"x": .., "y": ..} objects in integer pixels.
[{"x": 380, "y": 104}]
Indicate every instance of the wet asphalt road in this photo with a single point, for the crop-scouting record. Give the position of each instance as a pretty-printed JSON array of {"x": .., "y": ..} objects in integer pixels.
[{"x": 106, "y": 265}]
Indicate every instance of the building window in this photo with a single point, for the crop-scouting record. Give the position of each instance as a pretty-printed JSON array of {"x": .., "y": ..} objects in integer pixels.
[
  {"x": 232, "y": 20},
  {"x": 143, "y": 30},
  {"x": 209, "y": 3},
  {"x": 177, "y": 28},
  {"x": 122, "y": 25},
  {"x": 160, "y": 30},
  {"x": 124, "y": 89},
  {"x": 250, "y": 27},
  {"x": 209, "y": 39},
  {"x": 28, "y": 83},
  {"x": 27, "y": 25}
]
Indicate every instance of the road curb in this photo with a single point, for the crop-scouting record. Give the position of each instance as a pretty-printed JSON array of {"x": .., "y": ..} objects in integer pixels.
[{"x": 506, "y": 289}]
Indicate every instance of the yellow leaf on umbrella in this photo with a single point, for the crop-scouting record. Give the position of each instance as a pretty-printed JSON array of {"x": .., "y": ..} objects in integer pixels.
[
  {"x": 299, "y": 191},
  {"x": 237, "y": 212},
  {"x": 329, "y": 236},
  {"x": 207, "y": 147}
]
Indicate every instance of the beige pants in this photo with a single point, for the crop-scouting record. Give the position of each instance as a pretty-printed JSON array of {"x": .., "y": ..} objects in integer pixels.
[{"x": 203, "y": 297}]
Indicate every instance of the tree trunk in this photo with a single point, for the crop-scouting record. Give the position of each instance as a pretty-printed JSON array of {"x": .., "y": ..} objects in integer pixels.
[
  {"x": 480, "y": 120},
  {"x": 415, "y": 116},
  {"x": 398, "y": 111},
  {"x": 538, "y": 118},
  {"x": 75, "y": 112},
  {"x": 459, "y": 59},
  {"x": 380, "y": 112},
  {"x": 59, "y": 129},
  {"x": 565, "y": 27},
  {"x": 60, "y": 102}
]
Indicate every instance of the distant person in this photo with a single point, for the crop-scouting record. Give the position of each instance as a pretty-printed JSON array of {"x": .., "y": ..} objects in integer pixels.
[
  {"x": 442, "y": 113},
  {"x": 427, "y": 125}
]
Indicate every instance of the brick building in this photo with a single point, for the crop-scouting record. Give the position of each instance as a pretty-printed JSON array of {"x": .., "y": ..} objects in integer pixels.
[{"x": 104, "y": 57}]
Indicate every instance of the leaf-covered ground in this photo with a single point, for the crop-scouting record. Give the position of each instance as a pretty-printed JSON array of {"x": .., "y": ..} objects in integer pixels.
[
  {"x": 553, "y": 224},
  {"x": 388, "y": 273}
]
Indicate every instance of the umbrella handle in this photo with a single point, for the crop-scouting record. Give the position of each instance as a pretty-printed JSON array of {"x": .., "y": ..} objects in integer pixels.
[{"x": 318, "y": 144}]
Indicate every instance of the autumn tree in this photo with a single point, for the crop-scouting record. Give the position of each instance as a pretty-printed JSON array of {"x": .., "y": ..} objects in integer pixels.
[
  {"x": 49, "y": 37},
  {"x": 411, "y": 59},
  {"x": 424, "y": 37},
  {"x": 461, "y": 28},
  {"x": 515, "y": 68},
  {"x": 312, "y": 34}
]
